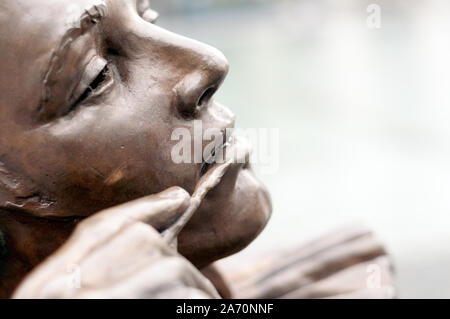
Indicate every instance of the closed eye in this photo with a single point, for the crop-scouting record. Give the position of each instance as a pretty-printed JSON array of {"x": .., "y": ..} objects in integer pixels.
[{"x": 98, "y": 83}]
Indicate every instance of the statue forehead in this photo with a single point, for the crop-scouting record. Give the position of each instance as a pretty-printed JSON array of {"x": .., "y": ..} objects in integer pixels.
[
  {"x": 38, "y": 25},
  {"x": 34, "y": 31},
  {"x": 52, "y": 15}
]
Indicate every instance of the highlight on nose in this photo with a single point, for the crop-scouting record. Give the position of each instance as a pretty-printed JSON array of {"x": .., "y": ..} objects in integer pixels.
[{"x": 197, "y": 88}]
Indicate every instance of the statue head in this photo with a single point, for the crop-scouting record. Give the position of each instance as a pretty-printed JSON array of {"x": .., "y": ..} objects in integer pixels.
[{"x": 91, "y": 92}]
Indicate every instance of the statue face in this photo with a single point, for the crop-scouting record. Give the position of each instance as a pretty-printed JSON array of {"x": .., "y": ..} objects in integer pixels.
[{"x": 90, "y": 95}]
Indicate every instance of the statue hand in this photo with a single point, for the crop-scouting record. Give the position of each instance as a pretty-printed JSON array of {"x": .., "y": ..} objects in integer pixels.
[{"x": 119, "y": 253}]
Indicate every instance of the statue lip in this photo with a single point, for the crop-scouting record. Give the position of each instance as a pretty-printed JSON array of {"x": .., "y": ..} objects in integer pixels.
[
  {"x": 233, "y": 200},
  {"x": 232, "y": 155},
  {"x": 236, "y": 149}
]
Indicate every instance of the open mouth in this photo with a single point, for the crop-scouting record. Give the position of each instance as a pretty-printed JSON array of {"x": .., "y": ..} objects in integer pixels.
[
  {"x": 235, "y": 150},
  {"x": 233, "y": 154},
  {"x": 215, "y": 156}
]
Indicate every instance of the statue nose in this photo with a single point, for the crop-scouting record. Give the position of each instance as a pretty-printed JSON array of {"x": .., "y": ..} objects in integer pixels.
[{"x": 197, "y": 87}]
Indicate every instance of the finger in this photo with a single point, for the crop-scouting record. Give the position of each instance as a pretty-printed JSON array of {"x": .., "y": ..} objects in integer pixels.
[
  {"x": 176, "y": 292},
  {"x": 305, "y": 266},
  {"x": 209, "y": 181},
  {"x": 155, "y": 271},
  {"x": 373, "y": 274},
  {"x": 159, "y": 210},
  {"x": 385, "y": 292},
  {"x": 166, "y": 277},
  {"x": 135, "y": 248}
]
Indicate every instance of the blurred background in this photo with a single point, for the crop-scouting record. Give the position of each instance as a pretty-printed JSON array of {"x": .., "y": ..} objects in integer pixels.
[{"x": 363, "y": 114}]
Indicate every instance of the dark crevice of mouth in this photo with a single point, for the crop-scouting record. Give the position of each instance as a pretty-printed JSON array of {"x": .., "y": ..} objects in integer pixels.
[
  {"x": 215, "y": 153},
  {"x": 208, "y": 163},
  {"x": 205, "y": 168}
]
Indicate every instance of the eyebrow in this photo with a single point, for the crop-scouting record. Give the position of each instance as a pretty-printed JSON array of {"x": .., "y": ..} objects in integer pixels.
[{"x": 76, "y": 27}]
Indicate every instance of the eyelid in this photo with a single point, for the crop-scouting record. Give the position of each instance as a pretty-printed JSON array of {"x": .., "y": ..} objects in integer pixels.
[{"x": 91, "y": 71}]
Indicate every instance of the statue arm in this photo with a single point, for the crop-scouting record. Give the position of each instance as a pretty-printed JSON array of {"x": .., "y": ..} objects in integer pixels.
[{"x": 348, "y": 263}]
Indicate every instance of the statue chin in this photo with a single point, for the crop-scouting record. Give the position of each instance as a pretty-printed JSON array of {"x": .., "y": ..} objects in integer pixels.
[{"x": 228, "y": 220}]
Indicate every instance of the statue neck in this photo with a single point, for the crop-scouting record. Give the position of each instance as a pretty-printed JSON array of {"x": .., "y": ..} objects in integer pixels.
[{"x": 25, "y": 242}]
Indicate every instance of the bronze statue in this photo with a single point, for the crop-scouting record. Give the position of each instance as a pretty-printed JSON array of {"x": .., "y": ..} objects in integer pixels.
[{"x": 91, "y": 92}]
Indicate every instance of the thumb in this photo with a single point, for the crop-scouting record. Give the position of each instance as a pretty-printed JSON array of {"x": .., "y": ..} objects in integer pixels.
[{"x": 159, "y": 210}]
